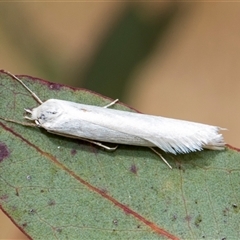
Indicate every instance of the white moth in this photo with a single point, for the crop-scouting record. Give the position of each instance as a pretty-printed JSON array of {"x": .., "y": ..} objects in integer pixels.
[{"x": 101, "y": 124}]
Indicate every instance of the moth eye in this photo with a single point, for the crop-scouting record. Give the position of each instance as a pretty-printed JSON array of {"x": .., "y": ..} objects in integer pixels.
[{"x": 42, "y": 116}]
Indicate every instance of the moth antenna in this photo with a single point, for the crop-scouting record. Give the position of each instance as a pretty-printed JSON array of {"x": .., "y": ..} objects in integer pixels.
[
  {"x": 26, "y": 87},
  {"x": 21, "y": 123}
]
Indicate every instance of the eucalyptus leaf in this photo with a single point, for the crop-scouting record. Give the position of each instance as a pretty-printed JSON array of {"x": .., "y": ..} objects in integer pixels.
[{"x": 54, "y": 187}]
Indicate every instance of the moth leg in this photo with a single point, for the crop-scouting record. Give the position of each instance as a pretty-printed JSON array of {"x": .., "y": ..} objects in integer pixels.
[
  {"x": 101, "y": 145},
  {"x": 27, "y": 110},
  {"x": 21, "y": 123},
  {"x": 111, "y": 103},
  {"x": 28, "y": 118},
  {"x": 164, "y": 160},
  {"x": 87, "y": 140}
]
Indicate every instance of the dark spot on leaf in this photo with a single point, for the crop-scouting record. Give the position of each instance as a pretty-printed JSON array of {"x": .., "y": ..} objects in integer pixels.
[
  {"x": 225, "y": 211},
  {"x": 235, "y": 208},
  {"x": 180, "y": 166},
  {"x": 224, "y": 238},
  {"x": 59, "y": 230},
  {"x": 24, "y": 225},
  {"x": 4, "y": 197},
  {"x": 138, "y": 226},
  {"x": 198, "y": 220},
  {"x": 4, "y": 152},
  {"x": 32, "y": 211},
  {"x": 196, "y": 202},
  {"x": 73, "y": 152},
  {"x": 133, "y": 169},
  {"x": 42, "y": 191},
  {"x": 115, "y": 222},
  {"x": 51, "y": 203},
  {"x": 188, "y": 218},
  {"x": 174, "y": 217},
  {"x": 13, "y": 208},
  {"x": 55, "y": 86},
  {"x": 17, "y": 193}
]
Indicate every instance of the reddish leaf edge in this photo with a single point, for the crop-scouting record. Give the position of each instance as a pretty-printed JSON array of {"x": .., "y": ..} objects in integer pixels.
[
  {"x": 58, "y": 86},
  {"x": 13, "y": 221},
  {"x": 233, "y": 148}
]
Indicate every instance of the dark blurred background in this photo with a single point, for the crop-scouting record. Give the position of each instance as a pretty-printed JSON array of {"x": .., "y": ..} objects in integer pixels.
[{"x": 173, "y": 59}]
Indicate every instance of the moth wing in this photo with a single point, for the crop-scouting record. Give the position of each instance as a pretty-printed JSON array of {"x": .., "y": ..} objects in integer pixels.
[{"x": 170, "y": 135}]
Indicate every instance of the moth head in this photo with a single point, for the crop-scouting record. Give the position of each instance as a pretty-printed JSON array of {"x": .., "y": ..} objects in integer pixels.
[{"x": 46, "y": 112}]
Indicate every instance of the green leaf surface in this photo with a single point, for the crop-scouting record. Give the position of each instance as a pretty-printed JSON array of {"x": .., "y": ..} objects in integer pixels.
[{"x": 60, "y": 188}]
